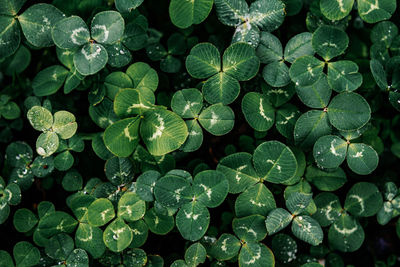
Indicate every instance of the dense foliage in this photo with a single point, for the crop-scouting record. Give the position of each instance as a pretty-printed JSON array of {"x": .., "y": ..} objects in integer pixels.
[{"x": 199, "y": 132}]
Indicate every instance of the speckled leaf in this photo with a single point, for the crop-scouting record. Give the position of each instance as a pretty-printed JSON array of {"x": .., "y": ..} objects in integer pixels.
[
  {"x": 226, "y": 247},
  {"x": 70, "y": 33},
  {"x": 329, "y": 41},
  {"x": 90, "y": 59},
  {"x": 107, "y": 27},
  {"x": 363, "y": 200},
  {"x": 210, "y": 188},
  {"x": 256, "y": 199},
  {"x": 250, "y": 228},
  {"x": 131, "y": 207},
  {"x": 377, "y": 10},
  {"x": 217, "y": 119},
  {"x": 117, "y": 236},
  {"x": 258, "y": 112},
  {"x": 192, "y": 220},
  {"x": 307, "y": 229},
  {"x": 256, "y": 254},
  {"x": 277, "y": 220},
  {"x": 336, "y": 9},
  {"x": 100, "y": 212},
  {"x": 344, "y": 76},
  {"x": 346, "y": 234},
  {"x": 306, "y": 70},
  {"x": 362, "y": 159}
]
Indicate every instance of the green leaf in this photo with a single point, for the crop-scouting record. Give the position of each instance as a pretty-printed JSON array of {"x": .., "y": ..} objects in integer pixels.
[
  {"x": 276, "y": 74},
  {"x": 117, "y": 236},
  {"x": 187, "y": 103},
  {"x": 130, "y": 102},
  {"x": 299, "y": 45},
  {"x": 203, "y": 61},
  {"x": 258, "y": 112},
  {"x": 115, "y": 82},
  {"x": 239, "y": 171},
  {"x": 277, "y": 220},
  {"x": 256, "y": 254},
  {"x": 64, "y": 162},
  {"x": 328, "y": 208},
  {"x": 363, "y": 200},
  {"x": 346, "y": 234},
  {"x": 10, "y": 35},
  {"x": 268, "y": 15},
  {"x": 172, "y": 191},
  {"x": 256, "y": 199},
  {"x": 348, "y": 111},
  {"x": 217, "y": 119},
  {"x": 49, "y": 80},
  {"x": 336, "y": 9},
  {"x": 286, "y": 118},
  {"x": 297, "y": 202},
  {"x": 19, "y": 153},
  {"x": 59, "y": 246},
  {"x": 231, "y": 12},
  {"x": 163, "y": 131},
  {"x": 143, "y": 75},
  {"x": 12, "y": 192},
  {"x": 119, "y": 170},
  {"x": 37, "y": 21},
  {"x": 90, "y": 239},
  {"x": 362, "y": 159},
  {"x": 131, "y": 207},
  {"x": 118, "y": 55},
  {"x": 47, "y": 143},
  {"x": 70, "y": 33},
  {"x": 374, "y": 11},
  {"x": 210, "y": 188},
  {"x": 307, "y": 229},
  {"x": 192, "y": 220},
  {"x": 195, "y": 254},
  {"x": 326, "y": 180},
  {"x": 311, "y": 126},
  {"x": 100, "y": 212},
  {"x": 306, "y": 70},
  {"x": 221, "y": 88},
  {"x": 158, "y": 223},
  {"x": 107, "y": 27},
  {"x": 5, "y": 259},
  {"x": 11, "y": 7},
  {"x": 90, "y": 59},
  {"x": 329, "y": 151},
  {"x": 379, "y": 74},
  {"x": 247, "y": 33},
  {"x": 25, "y": 254},
  {"x": 226, "y": 247},
  {"x": 385, "y": 31},
  {"x": 250, "y": 228},
  {"x": 270, "y": 48},
  {"x": 122, "y": 137},
  {"x": 184, "y": 14},
  {"x": 316, "y": 95},
  {"x": 64, "y": 124},
  {"x": 145, "y": 184},
  {"x": 126, "y": 6},
  {"x": 240, "y": 61},
  {"x": 77, "y": 258},
  {"x": 344, "y": 76},
  {"x": 18, "y": 62},
  {"x": 24, "y": 220},
  {"x": 274, "y": 161},
  {"x": 140, "y": 232},
  {"x": 329, "y": 41}
]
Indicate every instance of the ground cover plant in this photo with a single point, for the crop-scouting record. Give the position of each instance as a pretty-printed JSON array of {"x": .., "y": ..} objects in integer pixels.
[{"x": 199, "y": 133}]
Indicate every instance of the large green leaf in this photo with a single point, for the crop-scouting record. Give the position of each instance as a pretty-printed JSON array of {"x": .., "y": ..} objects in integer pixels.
[
  {"x": 307, "y": 229},
  {"x": 217, "y": 119},
  {"x": 107, "y": 27},
  {"x": 90, "y": 239},
  {"x": 277, "y": 220},
  {"x": 268, "y": 15},
  {"x": 70, "y": 32},
  {"x": 117, "y": 236},
  {"x": 306, "y": 70},
  {"x": 316, "y": 95},
  {"x": 184, "y": 14},
  {"x": 49, "y": 80},
  {"x": 90, "y": 59},
  {"x": 336, "y": 9},
  {"x": 231, "y": 12},
  {"x": 187, "y": 103},
  {"x": 346, "y": 234},
  {"x": 210, "y": 188},
  {"x": 258, "y": 112},
  {"x": 256, "y": 254},
  {"x": 25, "y": 254},
  {"x": 330, "y": 151},
  {"x": 10, "y": 36},
  {"x": 122, "y": 137},
  {"x": 238, "y": 169},
  {"x": 163, "y": 131},
  {"x": 172, "y": 191},
  {"x": 328, "y": 208},
  {"x": 373, "y": 11},
  {"x": 100, "y": 212},
  {"x": 274, "y": 162},
  {"x": 329, "y": 41},
  {"x": 37, "y": 22},
  {"x": 203, "y": 61},
  {"x": 226, "y": 247},
  {"x": 363, "y": 200},
  {"x": 240, "y": 61},
  {"x": 343, "y": 76},
  {"x": 250, "y": 228},
  {"x": 362, "y": 159},
  {"x": 256, "y": 199},
  {"x": 192, "y": 220},
  {"x": 348, "y": 111},
  {"x": 221, "y": 88},
  {"x": 131, "y": 207}
]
